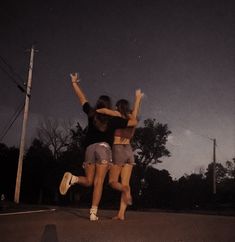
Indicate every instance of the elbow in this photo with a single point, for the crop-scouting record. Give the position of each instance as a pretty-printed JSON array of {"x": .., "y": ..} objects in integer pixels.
[
  {"x": 135, "y": 122},
  {"x": 132, "y": 122}
]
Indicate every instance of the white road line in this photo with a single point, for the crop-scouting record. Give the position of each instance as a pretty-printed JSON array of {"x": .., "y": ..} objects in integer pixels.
[{"x": 28, "y": 212}]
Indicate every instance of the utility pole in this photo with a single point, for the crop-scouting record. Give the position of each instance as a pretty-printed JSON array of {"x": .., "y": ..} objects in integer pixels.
[
  {"x": 23, "y": 134},
  {"x": 214, "y": 166}
]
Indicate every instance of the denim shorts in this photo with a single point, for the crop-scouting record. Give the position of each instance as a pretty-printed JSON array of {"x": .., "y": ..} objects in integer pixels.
[
  {"x": 123, "y": 154},
  {"x": 98, "y": 153}
]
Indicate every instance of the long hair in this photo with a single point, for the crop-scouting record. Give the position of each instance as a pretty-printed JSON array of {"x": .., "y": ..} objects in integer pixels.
[
  {"x": 101, "y": 120},
  {"x": 123, "y": 107}
]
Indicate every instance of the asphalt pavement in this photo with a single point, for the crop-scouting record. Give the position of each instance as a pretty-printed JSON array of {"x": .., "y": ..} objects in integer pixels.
[{"x": 60, "y": 224}]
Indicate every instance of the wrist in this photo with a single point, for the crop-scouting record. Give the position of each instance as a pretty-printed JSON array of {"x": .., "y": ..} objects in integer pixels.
[{"x": 77, "y": 81}]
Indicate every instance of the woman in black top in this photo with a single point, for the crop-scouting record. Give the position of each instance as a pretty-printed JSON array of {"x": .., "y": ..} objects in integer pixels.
[{"x": 98, "y": 143}]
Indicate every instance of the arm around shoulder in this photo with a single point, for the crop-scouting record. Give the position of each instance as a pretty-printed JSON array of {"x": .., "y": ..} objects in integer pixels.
[{"x": 108, "y": 112}]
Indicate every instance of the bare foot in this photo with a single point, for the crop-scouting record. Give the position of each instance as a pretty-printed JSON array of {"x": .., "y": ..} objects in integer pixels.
[{"x": 118, "y": 218}]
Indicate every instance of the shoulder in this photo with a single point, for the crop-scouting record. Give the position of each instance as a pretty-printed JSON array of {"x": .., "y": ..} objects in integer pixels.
[{"x": 87, "y": 107}]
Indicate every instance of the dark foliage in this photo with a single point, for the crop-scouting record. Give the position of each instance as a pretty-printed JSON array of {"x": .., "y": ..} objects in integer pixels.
[
  {"x": 9, "y": 162},
  {"x": 150, "y": 187}
]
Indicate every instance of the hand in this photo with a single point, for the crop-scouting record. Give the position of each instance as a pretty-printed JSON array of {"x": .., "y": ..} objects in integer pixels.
[
  {"x": 74, "y": 77},
  {"x": 138, "y": 93}
]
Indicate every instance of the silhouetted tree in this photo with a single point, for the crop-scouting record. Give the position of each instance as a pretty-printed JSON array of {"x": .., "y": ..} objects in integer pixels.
[
  {"x": 72, "y": 160},
  {"x": 77, "y": 138},
  {"x": 54, "y": 135},
  {"x": 149, "y": 144},
  {"x": 157, "y": 192},
  {"x": 226, "y": 186},
  {"x": 58, "y": 149},
  {"x": 9, "y": 162},
  {"x": 220, "y": 172},
  {"x": 36, "y": 169},
  {"x": 191, "y": 191},
  {"x": 230, "y": 166}
]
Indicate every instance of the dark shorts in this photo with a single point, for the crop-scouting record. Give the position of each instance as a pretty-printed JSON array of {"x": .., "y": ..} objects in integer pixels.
[
  {"x": 98, "y": 153},
  {"x": 123, "y": 154}
]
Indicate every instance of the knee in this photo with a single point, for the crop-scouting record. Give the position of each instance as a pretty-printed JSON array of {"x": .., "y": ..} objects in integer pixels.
[{"x": 89, "y": 183}]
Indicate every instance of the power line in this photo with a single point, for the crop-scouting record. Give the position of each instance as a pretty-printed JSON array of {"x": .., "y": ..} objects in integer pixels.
[
  {"x": 11, "y": 69},
  {"x": 12, "y": 74},
  {"x": 183, "y": 127},
  {"x": 11, "y": 121}
]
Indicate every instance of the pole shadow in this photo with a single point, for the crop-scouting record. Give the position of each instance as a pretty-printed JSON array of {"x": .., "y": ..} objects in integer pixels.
[{"x": 50, "y": 234}]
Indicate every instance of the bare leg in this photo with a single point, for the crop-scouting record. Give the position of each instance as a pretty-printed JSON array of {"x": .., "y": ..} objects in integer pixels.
[
  {"x": 89, "y": 178},
  {"x": 101, "y": 170},
  {"x": 125, "y": 177},
  {"x": 114, "y": 174}
]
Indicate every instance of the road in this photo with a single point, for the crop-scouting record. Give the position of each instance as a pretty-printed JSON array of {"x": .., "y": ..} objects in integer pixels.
[{"x": 71, "y": 224}]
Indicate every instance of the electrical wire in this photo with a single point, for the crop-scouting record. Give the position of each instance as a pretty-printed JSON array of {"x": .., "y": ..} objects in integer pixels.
[
  {"x": 12, "y": 74},
  {"x": 12, "y": 121},
  {"x": 11, "y": 69}
]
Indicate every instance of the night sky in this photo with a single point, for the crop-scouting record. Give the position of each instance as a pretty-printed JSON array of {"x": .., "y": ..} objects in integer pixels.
[{"x": 180, "y": 53}]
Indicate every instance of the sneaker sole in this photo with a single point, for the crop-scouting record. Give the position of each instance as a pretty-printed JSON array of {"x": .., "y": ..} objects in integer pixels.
[
  {"x": 65, "y": 183},
  {"x": 94, "y": 218}
]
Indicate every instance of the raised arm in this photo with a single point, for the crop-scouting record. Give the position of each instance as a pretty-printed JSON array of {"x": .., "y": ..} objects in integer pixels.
[
  {"x": 77, "y": 88},
  {"x": 133, "y": 117},
  {"x": 132, "y": 122},
  {"x": 109, "y": 112},
  {"x": 138, "y": 97}
]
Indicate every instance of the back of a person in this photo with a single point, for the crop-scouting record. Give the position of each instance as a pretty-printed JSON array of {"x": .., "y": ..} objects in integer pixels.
[
  {"x": 123, "y": 136},
  {"x": 95, "y": 135},
  {"x": 105, "y": 133}
]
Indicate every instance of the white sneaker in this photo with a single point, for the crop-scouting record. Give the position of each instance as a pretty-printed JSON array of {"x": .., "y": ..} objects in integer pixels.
[
  {"x": 66, "y": 183},
  {"x": 93, "y": 217}
]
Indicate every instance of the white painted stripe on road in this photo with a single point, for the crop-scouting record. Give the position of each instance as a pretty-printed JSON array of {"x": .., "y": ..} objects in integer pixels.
[{"x": 28, "y": 212}]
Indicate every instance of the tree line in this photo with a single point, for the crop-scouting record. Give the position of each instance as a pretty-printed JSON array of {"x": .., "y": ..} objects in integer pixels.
[{"x": 58, "y": 148}]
